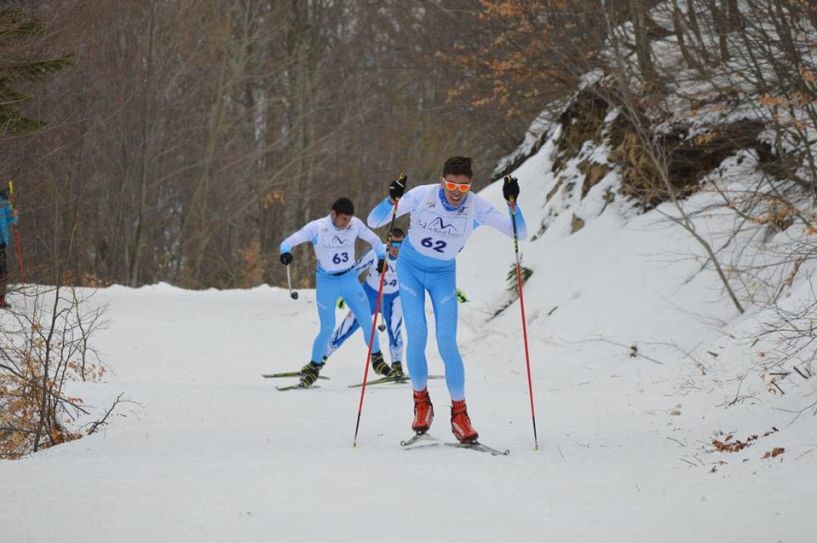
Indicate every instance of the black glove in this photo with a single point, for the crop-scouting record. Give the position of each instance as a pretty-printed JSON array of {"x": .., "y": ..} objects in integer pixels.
[
  {"x": 286, "y": 258},
  {"x": 510, "y": 188},
  {"x": 398, "y": 187},
  {"x": 380, "y": 265}
]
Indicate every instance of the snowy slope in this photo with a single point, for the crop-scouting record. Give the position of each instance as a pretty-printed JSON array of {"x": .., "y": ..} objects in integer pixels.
[{"x": 209, "y": 451}]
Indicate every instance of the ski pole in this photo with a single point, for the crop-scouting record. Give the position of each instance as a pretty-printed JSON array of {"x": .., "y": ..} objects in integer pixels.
[
  {"x": 403, "y": 178},
  {"x": 18, "y": 240},
  {"x": 512, "y": 202},
  {"x": 292, "y": 294}
]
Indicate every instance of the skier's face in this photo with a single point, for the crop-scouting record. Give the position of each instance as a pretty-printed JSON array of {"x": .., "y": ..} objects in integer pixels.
[
  {"x": 341, "y": 220},
  {"x": 456, "y": 187},
  {"x": 394, "y": 246}
]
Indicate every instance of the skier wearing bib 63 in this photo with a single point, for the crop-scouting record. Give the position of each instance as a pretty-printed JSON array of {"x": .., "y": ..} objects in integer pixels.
[
  {"x": 443, "y": 216},
  {"x": 333, "y": 238}
]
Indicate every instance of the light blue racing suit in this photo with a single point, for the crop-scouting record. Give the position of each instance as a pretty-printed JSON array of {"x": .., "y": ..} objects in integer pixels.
[{"x": 427, "y": 263}]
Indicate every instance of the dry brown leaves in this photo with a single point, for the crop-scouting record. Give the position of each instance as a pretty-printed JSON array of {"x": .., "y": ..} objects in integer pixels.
[
  {"x": 774, "y": 453},
  {"x": 730, "y": 446}
]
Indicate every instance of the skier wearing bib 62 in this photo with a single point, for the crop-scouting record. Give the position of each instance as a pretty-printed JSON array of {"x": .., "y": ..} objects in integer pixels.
[
  {"x": 443, "y": 216},
  {"x": 333, "y": 238}
]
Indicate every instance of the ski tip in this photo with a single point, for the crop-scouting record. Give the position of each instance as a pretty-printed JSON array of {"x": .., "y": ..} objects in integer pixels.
[{"x": 296, "y": 387}]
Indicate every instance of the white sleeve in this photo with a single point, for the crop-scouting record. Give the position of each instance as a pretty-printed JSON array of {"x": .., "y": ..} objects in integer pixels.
[{"x": 307, "y": 233}]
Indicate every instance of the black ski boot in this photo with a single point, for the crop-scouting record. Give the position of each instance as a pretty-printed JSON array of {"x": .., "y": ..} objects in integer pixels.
[
  {"x": 309, "y": 373},
  {"x": 397, "y": 370},
  {"x": 379, "y": 365}
]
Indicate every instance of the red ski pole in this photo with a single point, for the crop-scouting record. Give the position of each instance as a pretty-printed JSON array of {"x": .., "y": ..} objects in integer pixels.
[
  {"x": 18, "y": 240},
  {"x": 374, "y": 318},
  {"x": 512, "y": 202}
]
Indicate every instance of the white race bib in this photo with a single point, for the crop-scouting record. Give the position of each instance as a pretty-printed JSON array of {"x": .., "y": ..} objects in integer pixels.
[
  {"x": 334, "y": 248},
  {"x": 438, "y": 232},
  {"x": 390, "y": 285}
]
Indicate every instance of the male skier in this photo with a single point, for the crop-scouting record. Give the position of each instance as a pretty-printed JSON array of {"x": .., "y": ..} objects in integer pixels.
[
  {"x": 389, "y": 305},
  {"x": 443, "y": 216},
  {"x": 333, "y": 238}
]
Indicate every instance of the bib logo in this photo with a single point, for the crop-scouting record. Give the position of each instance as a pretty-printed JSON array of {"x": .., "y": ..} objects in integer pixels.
[
  {"x": 334, "y": 241},
  {"x": 446, "y": 227}
]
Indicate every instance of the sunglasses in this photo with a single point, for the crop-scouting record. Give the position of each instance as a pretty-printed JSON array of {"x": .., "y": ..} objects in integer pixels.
[
  {"x": 462, "y": 187},
  {"x": 396, "y": 243}
]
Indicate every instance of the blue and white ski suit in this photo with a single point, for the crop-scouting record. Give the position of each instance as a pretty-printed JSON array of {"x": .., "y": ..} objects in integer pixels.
[
  {"x": 437, "y": 233},
  {"x": 389, "y": 306},
  {"x": 334, "y": 275}
]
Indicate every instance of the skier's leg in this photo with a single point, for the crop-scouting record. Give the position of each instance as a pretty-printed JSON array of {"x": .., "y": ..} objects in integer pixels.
[
  {"x": 345, "y": 330},
  {"x": 442, "y": 287},
  {"x": 326, "y": 292},
  {"x": 393, "y": 317},
  {"x": 413, "y": 299},
  {"x": 358, "y": 302}
]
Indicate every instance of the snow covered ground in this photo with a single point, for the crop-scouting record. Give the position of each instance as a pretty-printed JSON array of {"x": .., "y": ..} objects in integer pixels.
[{"x": 210, "y": 451}]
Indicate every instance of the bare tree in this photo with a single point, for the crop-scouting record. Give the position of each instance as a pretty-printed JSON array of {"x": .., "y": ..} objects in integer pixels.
[{"x": 43, "y": 347}]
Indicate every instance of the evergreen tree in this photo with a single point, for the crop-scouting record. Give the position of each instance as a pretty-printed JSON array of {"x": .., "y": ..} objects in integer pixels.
[{"x": 17, "y": 27}]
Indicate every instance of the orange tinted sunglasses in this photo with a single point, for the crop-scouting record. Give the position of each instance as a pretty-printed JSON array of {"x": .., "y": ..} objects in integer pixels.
[{"x": 462, "y": 187}]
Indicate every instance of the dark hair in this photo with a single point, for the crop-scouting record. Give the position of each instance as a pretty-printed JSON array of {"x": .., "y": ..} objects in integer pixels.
[
  {"x": 398, "y": 232},
  {"x": 343, "y": 206},
  {"x": 458, "y": 165}
]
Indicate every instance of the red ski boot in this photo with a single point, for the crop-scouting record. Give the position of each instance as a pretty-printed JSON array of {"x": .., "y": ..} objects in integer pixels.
[
  {"x": 423, "y": 412},
  {"x": 3, "y": 303},
  {"x": 461, "y": 424}
]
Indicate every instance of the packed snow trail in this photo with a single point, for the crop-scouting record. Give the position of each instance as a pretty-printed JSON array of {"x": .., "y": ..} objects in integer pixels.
[
  {"x": 211, "y": 452},
  {"x": 208, "y": 450}
]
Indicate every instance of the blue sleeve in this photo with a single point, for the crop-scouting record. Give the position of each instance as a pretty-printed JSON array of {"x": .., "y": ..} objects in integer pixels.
[
  {"x": 521, "y": 227},
  {"x": 381, "y": 213}
]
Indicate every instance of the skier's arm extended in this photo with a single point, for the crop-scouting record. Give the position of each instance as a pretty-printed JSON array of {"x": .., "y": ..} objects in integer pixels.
[
  {"x": 491, "y": 216},
  {"x": 308, "y": 233}
]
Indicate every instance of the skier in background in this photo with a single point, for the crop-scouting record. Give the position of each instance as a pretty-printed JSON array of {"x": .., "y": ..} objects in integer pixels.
[
  {"x": 333, "y": 238},
  {"x": 389, "y": 306},
  {"x": 8, "y": 217},
  {"x": 443, "y": 216}
]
